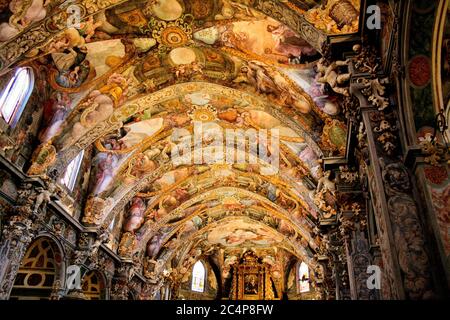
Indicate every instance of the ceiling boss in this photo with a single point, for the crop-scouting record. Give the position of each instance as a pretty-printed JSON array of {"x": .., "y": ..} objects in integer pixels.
[{"x": 170, "y": 35}]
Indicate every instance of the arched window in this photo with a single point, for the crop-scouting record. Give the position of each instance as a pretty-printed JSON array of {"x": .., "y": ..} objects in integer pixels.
[
  {"x": 303, "y": 277},
  {"x": 37, "y": 272},
  {"x": 113, "y": 236},
  {"x": 93, "y": 286},
  {"x": 198, "y": 277},
  {"x": 15, "y": 97},
  {"x": 70, "y": 176}
]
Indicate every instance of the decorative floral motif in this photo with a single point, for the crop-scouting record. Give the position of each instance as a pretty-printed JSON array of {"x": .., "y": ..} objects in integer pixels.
[
  {"x": 203, "y": 113},
  {"x": 419, "y": 71},
  {"x": 436, "y": 174}
]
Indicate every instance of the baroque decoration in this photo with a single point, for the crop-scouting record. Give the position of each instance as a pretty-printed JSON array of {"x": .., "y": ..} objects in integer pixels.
[{"x": 220, "y": 149}]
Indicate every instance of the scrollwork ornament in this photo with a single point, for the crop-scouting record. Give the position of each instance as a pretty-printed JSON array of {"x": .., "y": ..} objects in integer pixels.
[
  {"x": 374, "y": 90},
  {"x": 396, "y": 179},
  {"x": 16, "y": 236},
  {"x": 413, "y": 259},
  {"x": 347, "y": 176},
  {"x": 435, "y": 152},
  {"x": 386, "y": 132}
]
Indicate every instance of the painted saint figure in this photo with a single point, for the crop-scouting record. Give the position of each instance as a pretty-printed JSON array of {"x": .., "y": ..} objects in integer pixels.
[
  {"x": 288, "y": 44},
  {"x": 135, "y": 217}
]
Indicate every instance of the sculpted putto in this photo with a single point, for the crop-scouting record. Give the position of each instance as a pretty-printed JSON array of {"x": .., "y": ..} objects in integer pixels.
[
  {"x": 325, "y": 184},
  {"x": 324, "y": 197},
  {"x": 329, "y": 74},
  {"x": 43, "y": 197}
]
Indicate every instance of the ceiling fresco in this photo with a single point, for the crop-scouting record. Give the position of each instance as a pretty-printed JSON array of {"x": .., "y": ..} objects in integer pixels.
[
  {"x": 225, "y": 149},
  {"x": 135, "y": 72}
]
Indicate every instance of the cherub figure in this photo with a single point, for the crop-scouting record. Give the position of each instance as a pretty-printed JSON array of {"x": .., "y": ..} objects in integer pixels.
[
  {"x": 325, "y": 184},
  {"x": 44, "y": 197},
  {"x": 69, "y": 39},
  {"x": 88, "y": 28},
  {"x": 187, "y": 70},
  {"x": 328, "y": 74},
  {"x": 142, "y": 165},
  {"x": 238, "y": 11}
]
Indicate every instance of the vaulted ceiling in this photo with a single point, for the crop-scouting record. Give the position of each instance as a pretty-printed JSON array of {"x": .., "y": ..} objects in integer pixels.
[{"x": 136, "y": 72}]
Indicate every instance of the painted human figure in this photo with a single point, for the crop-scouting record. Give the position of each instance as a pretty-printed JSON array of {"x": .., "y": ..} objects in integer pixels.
[
  {"x": 88, "y": 28},
  {"x": 71, "y": 38},
  {"x": 288, "y": 44},
  {"x": 55, "y": 112},
  {"x": 287, "y": 95},
  {"x": 251, "y": 284},
  {"x": 69, "y": 58},
  {"x": 105, "y": 171},
  {"x": 74, "y": 76},
  {"x": 258, "y": 77},
  {"x": 136, "y": 214},
  {"x": 142, "y": 165},
  {"x": 24, "y": 13},
  {"x": 114, "y": 144},
  {"x": 99, "y": 106},
  {"x": 233, "y": 10},
  {"x": 154, "y": 245}
]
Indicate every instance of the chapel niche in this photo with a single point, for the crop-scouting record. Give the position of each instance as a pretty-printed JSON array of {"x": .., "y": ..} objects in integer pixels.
[{"x": 252, "y": 280}]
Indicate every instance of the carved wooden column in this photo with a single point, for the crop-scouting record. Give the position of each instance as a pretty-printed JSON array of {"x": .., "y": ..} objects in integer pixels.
[
  {"x": 406, "y": 270},
  {"x": 339, "y": 259},
  {"x": 18, "y": 232},
  {"x": 332, "y": 259},
  {"x": 358, "y": 256},
  {"x": 16, "y": 237},
  {"x": 120, "y": 282}
]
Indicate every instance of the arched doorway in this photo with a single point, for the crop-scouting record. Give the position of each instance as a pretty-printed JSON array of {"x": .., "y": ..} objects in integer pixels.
[
  {"x": 37, "y": 272},
  {"x": 93, "y": 286}
]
